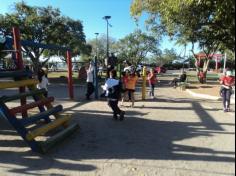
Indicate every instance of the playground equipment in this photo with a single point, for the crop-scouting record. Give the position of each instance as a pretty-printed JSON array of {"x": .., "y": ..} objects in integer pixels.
[
  {"x": 29, "y": 128},
  {"x": 47, "y": 127}
]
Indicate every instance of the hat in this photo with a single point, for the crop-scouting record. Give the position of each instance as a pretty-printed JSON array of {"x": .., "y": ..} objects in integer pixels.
[{"x": 229, "y": 73}]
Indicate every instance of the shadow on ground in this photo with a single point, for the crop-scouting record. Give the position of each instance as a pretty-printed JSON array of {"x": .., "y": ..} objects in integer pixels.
[{"x": 102, "y": 138}]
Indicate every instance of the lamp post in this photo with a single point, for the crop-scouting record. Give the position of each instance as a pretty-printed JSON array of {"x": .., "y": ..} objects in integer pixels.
[
  {"x": 96, "y": 68},
  {"x": 107, "y": 18}
]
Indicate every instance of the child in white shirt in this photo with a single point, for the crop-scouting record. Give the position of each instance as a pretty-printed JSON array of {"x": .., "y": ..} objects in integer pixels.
[{"x": 43, "y": 81}]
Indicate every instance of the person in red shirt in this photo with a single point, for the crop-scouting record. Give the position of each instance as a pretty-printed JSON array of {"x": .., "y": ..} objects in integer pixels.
[
  {"x": 152, "y": 79},
  {"x": 226, "y": 91}
]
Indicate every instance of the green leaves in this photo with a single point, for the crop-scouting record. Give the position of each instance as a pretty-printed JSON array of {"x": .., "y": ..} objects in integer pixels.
[
  {"x": 45, "y": 25},
  {"x": 207, "y": 22},
  {"x": 136, "y": 46}
]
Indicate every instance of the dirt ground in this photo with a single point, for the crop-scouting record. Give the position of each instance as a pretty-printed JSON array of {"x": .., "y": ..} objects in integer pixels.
[{"x": 173, "y": 135}]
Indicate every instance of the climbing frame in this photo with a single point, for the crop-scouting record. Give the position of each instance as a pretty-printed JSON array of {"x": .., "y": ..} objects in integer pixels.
[{"x": 42, "y": 130}]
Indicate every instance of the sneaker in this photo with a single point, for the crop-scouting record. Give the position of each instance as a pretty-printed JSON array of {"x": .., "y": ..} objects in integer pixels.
[
  {"x": 225, "y": 110},
  {"x": 115, "y": 117},
  {"x": 122, "y": 115},
  {"x": 228, "y": 110}
]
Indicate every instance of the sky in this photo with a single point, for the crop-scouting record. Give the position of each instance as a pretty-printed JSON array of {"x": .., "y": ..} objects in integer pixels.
[{"x": 91, "y": 12}]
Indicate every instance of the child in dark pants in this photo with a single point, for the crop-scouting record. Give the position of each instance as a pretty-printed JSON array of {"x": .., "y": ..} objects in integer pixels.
[{"x": 113, "y": 90}]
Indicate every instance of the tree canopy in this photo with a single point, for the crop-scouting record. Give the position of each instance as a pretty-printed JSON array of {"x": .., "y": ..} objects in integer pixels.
[
  {"x": 44, "y": 25},
  {"x": 136, "y": 46},
  {"x": 207, "y": 22}
]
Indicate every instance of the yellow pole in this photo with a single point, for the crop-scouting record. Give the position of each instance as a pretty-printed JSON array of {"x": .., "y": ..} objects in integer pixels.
[{"x": 144, "y": 83}]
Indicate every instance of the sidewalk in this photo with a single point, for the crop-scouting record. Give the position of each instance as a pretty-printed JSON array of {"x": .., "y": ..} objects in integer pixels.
[{"x": 207, "y": 91}]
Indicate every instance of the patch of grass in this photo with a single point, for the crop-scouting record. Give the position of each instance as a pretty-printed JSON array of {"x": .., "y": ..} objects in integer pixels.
[{"x": 61, "y": 74}]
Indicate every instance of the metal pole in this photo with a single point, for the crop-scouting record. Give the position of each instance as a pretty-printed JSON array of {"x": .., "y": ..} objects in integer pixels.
[
  {"x": 19, "y": 62},
  {"x": 107, "y": 39},
  {"x": 225, "y": 61},
  {"x": 96, "y": 68},
  {"x": 17, "y": 46},
  {"x": 70, "y": 80},
  {"x": 107, "y": 18}
]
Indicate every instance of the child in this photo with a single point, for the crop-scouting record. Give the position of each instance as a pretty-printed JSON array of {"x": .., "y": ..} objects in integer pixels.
[
  {"x": 90, "y": 77},
  {"x": 152, "y": 81},
  {"x": 130, "y": 86},
  {"x": 43, "y": 81},
  {"x": 125, "y": 76},
  {"x": 113, "y": 92}
]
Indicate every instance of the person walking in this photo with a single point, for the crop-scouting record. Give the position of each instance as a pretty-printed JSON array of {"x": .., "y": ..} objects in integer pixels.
[
  {"x": 90, "y": 79},
  {"x": 227, "y": 82},
  {"x": 113, "y": 90},
  {"x": 152, "y": 79}
]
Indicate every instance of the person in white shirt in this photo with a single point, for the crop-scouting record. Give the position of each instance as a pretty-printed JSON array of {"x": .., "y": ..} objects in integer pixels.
[
  {"x": 113, "y": 89},
  {"x": 43, "y": 81},
  {"x": 90, "y": 79}
]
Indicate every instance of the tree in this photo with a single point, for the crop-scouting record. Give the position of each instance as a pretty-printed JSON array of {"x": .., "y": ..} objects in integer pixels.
[
  {"x": 101, "y": 45},
  {"x": 44, "y": 25},
  {"x": 209, "y": 23},
  {"x": 136, "y": 46}
]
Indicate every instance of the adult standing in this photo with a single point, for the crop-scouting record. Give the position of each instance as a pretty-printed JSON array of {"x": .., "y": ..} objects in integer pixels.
[
  {"x": 227, "y": 82},
  {"x": 111, "y": 63},
  {"x": 90, "y": 79},
  {"x": 152, "y": 79}
]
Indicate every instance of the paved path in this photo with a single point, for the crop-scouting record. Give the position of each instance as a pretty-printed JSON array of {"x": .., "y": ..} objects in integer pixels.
[{"x": 174, "y": 135}]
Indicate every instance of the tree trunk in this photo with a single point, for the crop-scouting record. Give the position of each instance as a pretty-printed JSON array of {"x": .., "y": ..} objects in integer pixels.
[{"x": 202, "y": 74}]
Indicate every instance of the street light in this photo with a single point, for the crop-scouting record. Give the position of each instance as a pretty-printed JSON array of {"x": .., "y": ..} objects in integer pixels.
[
  {"x": 96, "y": 43},
  {"x": 107, "y": 18}
]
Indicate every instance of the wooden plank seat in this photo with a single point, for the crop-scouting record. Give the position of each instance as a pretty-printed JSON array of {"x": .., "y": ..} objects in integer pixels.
[
  {"x": 52, "y": 141},
  {"x": 33, "y": 119},
  {"x": 6, "y": 99},
  {"x": 17, "y": 84},
  {"x": 32, "y": 105},
  {"x": 48, "y": 127},
  {"x": 15, "y": 74}
]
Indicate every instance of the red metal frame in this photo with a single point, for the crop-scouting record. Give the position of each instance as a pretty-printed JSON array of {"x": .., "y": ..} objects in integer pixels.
[
  {"x": 70, "y": 79},
  {"x": 19, "y": 62}
]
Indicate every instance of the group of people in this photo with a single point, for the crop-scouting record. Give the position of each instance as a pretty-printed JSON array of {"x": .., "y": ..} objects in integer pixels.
[
  {"x": 124, "y": 89},
  {"x": 116, "y": 89}
]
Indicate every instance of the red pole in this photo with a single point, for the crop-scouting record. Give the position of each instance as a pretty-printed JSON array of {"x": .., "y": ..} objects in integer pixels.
[
  {"x": 216, "y": 59},
  {"x": 70, "y": 80},
  {"x": 17, "y": 46},
  {"x": 19, "y": 61}
]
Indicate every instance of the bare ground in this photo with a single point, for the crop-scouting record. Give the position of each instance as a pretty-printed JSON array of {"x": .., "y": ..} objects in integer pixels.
[{"x": 174, "y": 135}]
